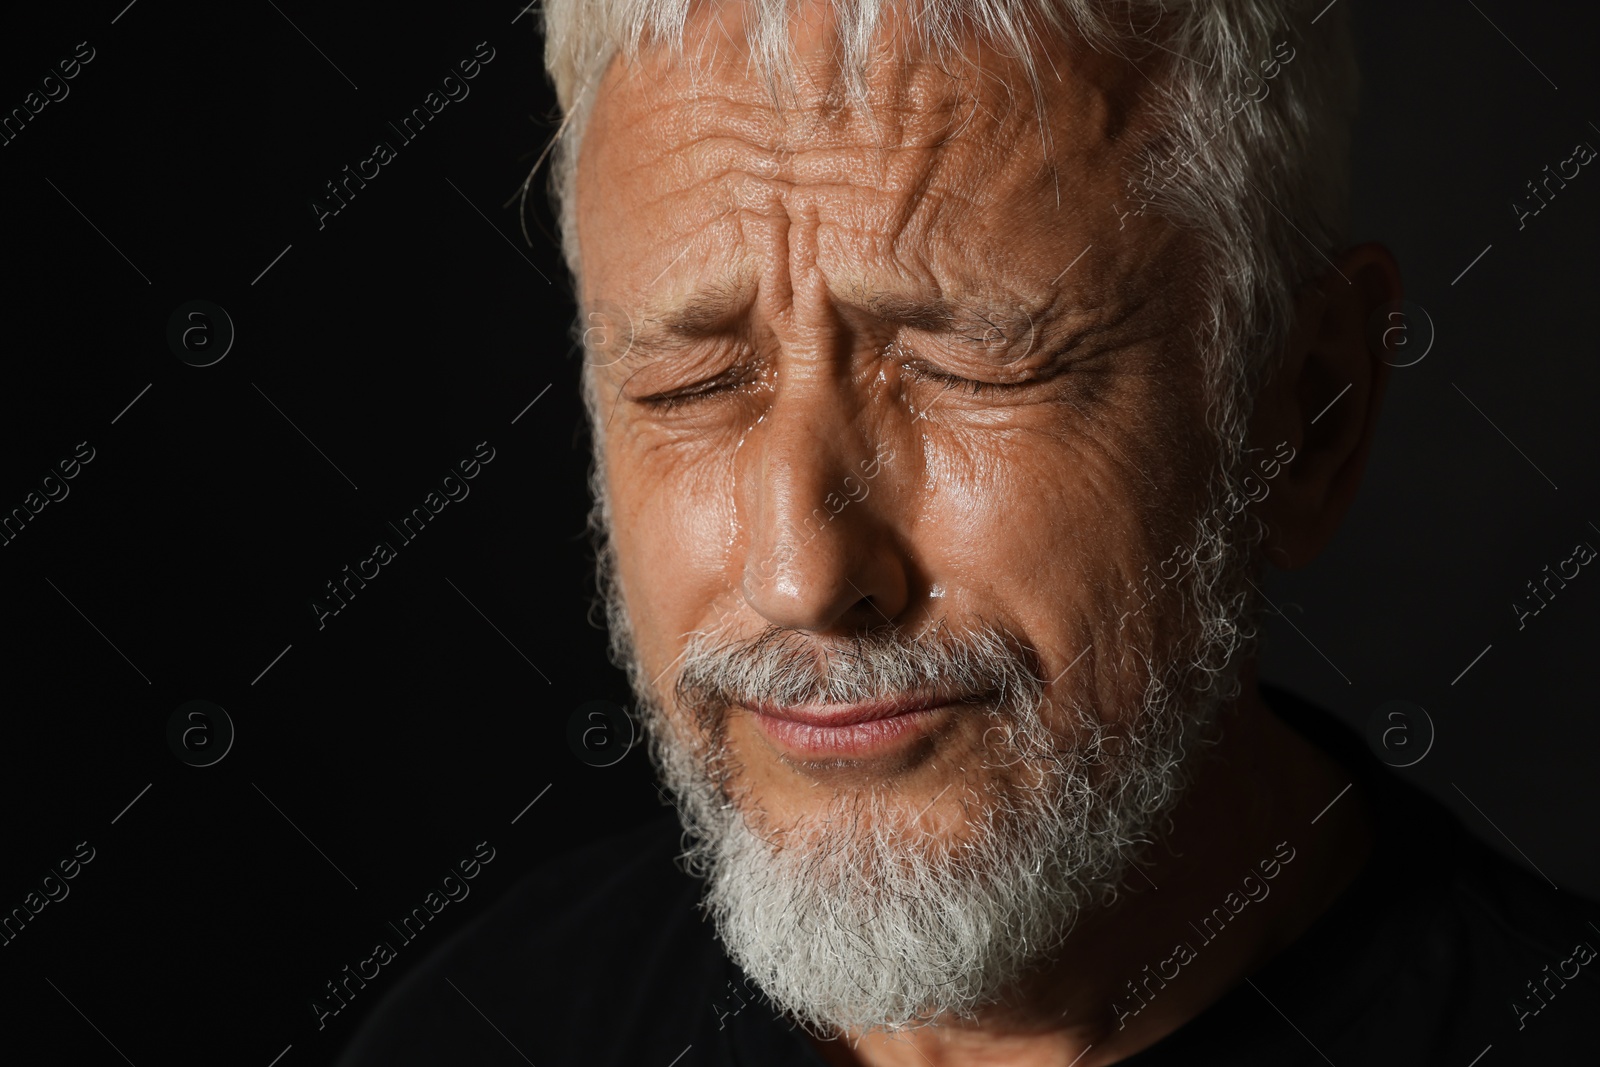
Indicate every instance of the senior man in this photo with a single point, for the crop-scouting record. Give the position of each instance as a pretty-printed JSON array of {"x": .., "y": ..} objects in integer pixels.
[{"x": 954, "y": 369}]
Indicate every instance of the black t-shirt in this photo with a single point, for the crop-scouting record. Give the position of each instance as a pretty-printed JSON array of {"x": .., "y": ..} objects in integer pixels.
[{"x": 1438, "y": 953}]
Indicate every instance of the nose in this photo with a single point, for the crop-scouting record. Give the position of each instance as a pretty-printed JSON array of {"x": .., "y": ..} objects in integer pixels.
[{"x": 818, "y": 497}]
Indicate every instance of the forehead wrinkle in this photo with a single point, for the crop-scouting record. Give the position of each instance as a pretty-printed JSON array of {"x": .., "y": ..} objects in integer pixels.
[
  {"x": 919, "y": 86},
  {"x": 912, "y": 92},
  {"x": 862, "y": 216},
  {"x": 973, "y": 314},
  {"x": 936, "y": 146},
  {"x": 808, "y": 140},
  {"x": 923, "y": 219}
]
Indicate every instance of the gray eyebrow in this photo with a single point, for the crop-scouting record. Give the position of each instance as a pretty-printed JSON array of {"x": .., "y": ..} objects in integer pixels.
[
  {"x": 664, "y": 328},
  {"x": 974, "y": 321},
  {"x": 704, "y": 310},
  {"x": 661, "y": 327}
]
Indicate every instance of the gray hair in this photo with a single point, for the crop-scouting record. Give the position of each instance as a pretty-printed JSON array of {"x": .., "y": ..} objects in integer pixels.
[{"x": 1264, "y": 186}]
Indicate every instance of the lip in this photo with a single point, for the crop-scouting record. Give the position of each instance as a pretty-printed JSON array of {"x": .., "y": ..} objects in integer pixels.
[
  {"x": 850, "y": 731},
  {"x": 836, "y": 715}
]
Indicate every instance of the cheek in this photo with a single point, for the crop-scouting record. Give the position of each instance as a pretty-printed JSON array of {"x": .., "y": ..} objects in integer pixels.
[
  {"x": 1035, "y": 528},
  {"x": 1051, "y": 532},
  {"x": 1034, "y": 509},
  {"x": 671, "y": 522}
]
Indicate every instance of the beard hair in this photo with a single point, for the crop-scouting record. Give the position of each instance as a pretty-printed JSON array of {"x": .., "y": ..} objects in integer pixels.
[{"x": 856, "y": 917}]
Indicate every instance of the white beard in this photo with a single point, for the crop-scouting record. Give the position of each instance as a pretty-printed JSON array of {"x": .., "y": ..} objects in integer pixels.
[{"x": 856, "y": 918}]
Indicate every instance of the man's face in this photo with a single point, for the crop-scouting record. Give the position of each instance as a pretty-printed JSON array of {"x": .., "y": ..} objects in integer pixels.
[{"x": 899, "y": 405}]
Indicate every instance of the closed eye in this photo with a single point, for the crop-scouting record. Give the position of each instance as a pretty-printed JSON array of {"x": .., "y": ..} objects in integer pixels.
[
  {"x": 948, "y": 381},
  {"x": 730, "y": 379}
]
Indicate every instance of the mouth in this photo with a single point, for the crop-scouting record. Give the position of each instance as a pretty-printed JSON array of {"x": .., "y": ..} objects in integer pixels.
[{"x": 878, "y": 728}]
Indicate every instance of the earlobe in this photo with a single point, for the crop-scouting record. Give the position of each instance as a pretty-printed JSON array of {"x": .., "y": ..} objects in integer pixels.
[{"x": 1323, "y": 400}]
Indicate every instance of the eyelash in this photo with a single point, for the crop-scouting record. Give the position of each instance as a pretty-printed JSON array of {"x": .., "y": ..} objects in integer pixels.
[
  {"x": 678, "y": 398},
  {"x": 970, "y": 385},
  {"x": 947, "y": 382},
  {"x": 672, "y": 401}
]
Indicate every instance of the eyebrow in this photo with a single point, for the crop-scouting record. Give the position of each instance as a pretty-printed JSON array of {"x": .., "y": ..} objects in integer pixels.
[
  {"x": 669, "y": 327},
  {"x": 666, "y": 328},
  {"x": 939, "y": 315},
  {"x": 705, "y": 310}
]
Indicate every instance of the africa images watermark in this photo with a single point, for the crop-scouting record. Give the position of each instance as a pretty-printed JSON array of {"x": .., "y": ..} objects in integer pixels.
[
  {"x": 452, "y": 887},
  {"x": 731, "y": 1003},
  {"x": 450, "y": 488},
  {"x": 855, "y": 490},
  {"x": 1162, "y": 168},
  {"x": 1582, "y": 554},
  {"x": 53, "y": 488},
  {"x": 50, "y": 887},
  {"x": 1565, "y": 971},
  {"x": 1581, "y": 155},
  {"x": 410, "y": 126},
  {"x": 1211, "y": 927},
  {"x": 52, "y": 88},
  {"x": 1254, "y": 489}
]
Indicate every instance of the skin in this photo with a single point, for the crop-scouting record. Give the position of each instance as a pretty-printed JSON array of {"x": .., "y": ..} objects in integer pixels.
[{"x": 1036, "y": 505}]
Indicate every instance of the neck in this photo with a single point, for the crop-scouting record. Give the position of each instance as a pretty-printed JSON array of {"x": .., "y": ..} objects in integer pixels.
[{"x": 1254, "y": 856}]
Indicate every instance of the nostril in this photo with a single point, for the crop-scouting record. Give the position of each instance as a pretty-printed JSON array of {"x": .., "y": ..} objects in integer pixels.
[{"x": 867, "y": 604}]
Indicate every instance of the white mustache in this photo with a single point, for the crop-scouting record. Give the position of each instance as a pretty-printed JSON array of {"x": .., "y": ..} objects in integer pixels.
[{"x": 787, "y": 667}]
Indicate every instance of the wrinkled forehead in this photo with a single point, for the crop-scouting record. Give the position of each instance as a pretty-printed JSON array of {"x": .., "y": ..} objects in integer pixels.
[
  {"x": 702, "y": 128},
  {"x": 951, "y": 179},
  {"x": 911, "y": 93}
]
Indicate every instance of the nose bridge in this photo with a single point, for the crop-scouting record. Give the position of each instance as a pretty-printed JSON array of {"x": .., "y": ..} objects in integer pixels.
[
  {"x": 805, "y": 440},
  {"x": 820, "y": 553},
  {"x": 818, "y": 544}
]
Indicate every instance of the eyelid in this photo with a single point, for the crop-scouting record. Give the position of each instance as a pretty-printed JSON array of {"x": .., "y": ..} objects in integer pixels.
[
  {"x": 928, "y": 372},
  {"x": 731, "y": 378},
  {"x": 932, "y": 372}
]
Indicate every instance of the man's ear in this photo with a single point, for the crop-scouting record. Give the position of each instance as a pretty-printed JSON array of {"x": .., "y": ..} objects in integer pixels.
[{"x": 1323, "y": 399}]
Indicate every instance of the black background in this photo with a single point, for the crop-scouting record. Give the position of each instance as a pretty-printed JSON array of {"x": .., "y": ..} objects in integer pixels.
[{"x": 375, "y": 352}]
